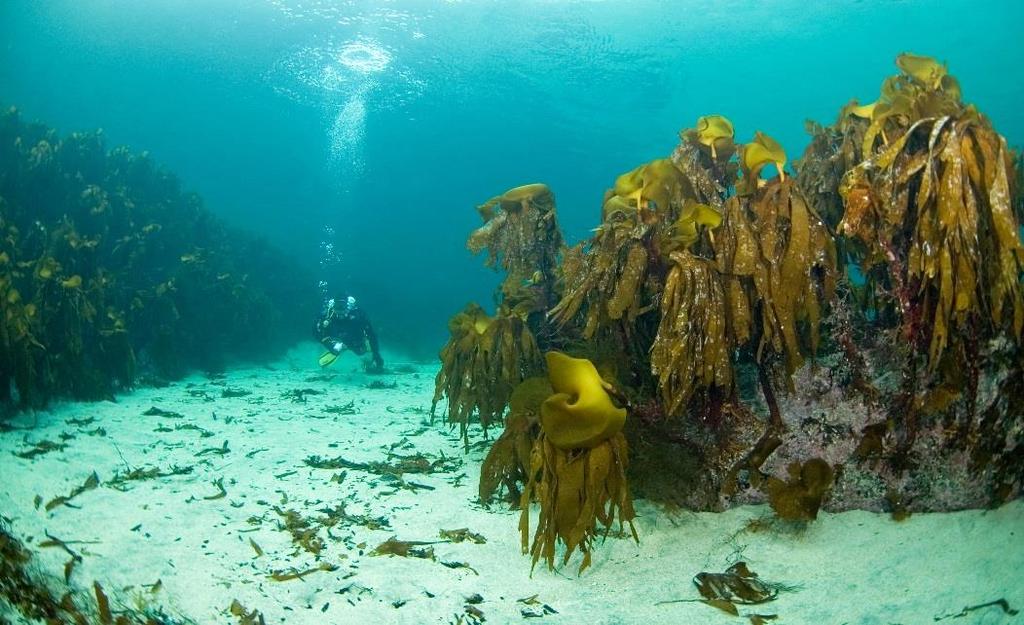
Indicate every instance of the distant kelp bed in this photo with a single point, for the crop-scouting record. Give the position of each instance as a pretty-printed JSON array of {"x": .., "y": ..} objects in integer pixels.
[{"x": 109, "y": 271}]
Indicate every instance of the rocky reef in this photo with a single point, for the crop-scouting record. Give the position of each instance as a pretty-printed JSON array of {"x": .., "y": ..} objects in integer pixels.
[
  {"x": 110, "y": 274},
  {"x": 844, "y": 332}
]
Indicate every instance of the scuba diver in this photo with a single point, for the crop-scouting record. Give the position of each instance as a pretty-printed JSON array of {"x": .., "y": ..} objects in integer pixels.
[{"x": 343, "y": 325}]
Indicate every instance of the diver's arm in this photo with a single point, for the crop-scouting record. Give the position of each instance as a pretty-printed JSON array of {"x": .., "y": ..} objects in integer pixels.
[
  {"x": 331, "y": 344},
  {"x": 371, "y": 338}
]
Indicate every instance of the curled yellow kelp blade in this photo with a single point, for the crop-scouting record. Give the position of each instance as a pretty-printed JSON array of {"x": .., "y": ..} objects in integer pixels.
[{"x": 580, "y": 413}]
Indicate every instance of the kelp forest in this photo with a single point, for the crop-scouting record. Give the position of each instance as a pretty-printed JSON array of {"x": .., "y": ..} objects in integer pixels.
[
  {"x": 839, "y": 331},
  {"x": 111, "y": 275}
]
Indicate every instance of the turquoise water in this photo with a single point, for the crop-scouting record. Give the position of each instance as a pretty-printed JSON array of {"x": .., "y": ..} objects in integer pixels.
[{"x": 389, "y": 121}]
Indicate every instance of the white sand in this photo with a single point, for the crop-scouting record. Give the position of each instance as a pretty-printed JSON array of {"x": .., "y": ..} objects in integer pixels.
[{"x": 850, "y": 568}]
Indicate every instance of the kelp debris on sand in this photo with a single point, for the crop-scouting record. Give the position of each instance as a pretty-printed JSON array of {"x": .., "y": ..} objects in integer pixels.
[
  {"x": 416, "y": 463},
  {"x": 120, "y": 479},
  {"x": 34, "y": 597},
  {"x": 39, "y": 448},
  {"x": 90, "y": 483}
]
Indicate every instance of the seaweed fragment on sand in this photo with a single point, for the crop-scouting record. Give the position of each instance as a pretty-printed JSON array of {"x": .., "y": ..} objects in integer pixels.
[
  {"x": 223, "y": 450},
  {"x": 406, "y": 548},
  {"x": 160, "y": 412},
  {"x": 294, "y": 573},
  {"x": 90, "y": 483},
  {"x": 221, "y": 492},
  {"x": 415, "y": 463},
  {"x": 244, "y": 615},
  {"x": 302, "y": 530},
  {"x": 40, "y": 448},
  {"x": 462, "y": 534},
  {"x": 299, "y": 395}
]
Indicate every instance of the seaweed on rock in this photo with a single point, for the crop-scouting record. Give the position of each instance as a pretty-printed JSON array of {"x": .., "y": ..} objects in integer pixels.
[
  {"x": 483, "y": 361},
  {"x": 692, "y": 349},
  {"x": 935, "y": 208},
  {"x": 653, "y": 210},
  {"x": 508, "y": 460},
  {"x": 487, "y": 357},
  {"x": 520, "y": 233}
]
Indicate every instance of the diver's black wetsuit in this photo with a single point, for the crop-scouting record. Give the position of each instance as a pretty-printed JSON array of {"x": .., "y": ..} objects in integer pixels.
[{"x": 351, "y": 328}]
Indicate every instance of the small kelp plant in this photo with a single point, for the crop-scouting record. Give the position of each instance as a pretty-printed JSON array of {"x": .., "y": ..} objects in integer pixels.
[
  {"x": 577, "y": 471},
  {"x": 487, "y": 357}
]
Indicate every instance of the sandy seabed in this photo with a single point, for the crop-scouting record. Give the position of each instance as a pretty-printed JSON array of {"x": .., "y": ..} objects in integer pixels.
[{"x": 220, "y": 531}]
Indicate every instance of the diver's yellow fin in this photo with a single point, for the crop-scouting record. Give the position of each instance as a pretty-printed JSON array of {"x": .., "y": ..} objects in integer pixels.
[{"x": 327, "y": 358}]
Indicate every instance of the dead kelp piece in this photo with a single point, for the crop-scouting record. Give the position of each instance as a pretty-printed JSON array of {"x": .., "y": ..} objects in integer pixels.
[
  {"x": 342, "y": 409},
  {"x": 406, "y": 548},
  {"x": 160, "y": 412},
  {"x": 219, "y": 451},
  {"x": 302, "y": 530},
  {"x": 1001, "y": 603},
  {"x": 203, "y": 433},
  {"x": 298, "y": 395},
  {"x": 151, "y": 473},
  {"x": 40, "y": 448},
  {"x": 222, "y": 493},
  {"x": 416, "y": 463},
  {"x": 737, "y": 585},
  {"x": 459, "y": 565},
  {"x": 381, "y": 385},
  {"x": 90, "y": 483},
  {"x": 462, "y": 534},
  {"x": 245, "y": 616},
  {"x": 338, "y": 515},
  {"x": 535, "y": 607},
  {"x": 293, "y": 573}
]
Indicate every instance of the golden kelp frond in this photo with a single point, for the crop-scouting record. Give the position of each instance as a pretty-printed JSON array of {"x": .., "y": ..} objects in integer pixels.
[
  {"x": 923, "y": 69},
  {"x": 716, "y": 132},
  {"x": 520, "y": 228},
  {"x": 652, "y": 211},
  {"x": 692, "y": 349},
  {"x": 658, "y": 182},
  {"x": 714, "y": 135},
  {"x": 508, "y": 460},
  {"x": 693, "y": 215},
  {"x": 923, "y": 89},
  {"x": 784, "y": 259},
  {"x": 832, "y": 152},
  {"x": 936, "y": 207},
  {"x": 754, "y": 156},
  {"x": 483, "y": 361},
  {"x": 575, "y": 490},
  {"x": 579, "y": 413},
  {"x": 704, "y": 154},
  {"x": 608, "y": 276},
  {"x": 798, "y": 278}
]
